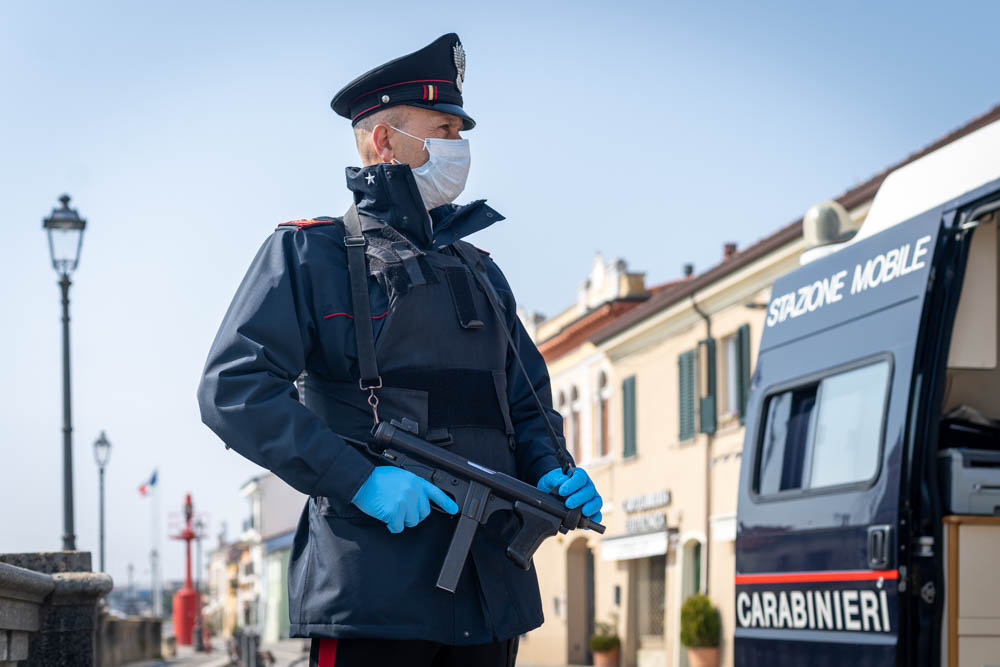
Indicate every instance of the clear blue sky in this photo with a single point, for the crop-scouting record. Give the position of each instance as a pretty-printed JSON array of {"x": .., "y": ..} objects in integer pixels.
[{"x": 186, "y": 130}]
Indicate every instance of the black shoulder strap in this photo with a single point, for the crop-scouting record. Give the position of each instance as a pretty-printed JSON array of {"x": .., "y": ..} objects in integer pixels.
[
  {"x": 355, "y": 242},
  {"x": 470, "y": 255}
]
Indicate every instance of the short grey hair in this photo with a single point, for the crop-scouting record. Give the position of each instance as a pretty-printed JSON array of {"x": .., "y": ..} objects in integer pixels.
[{"x": 391, "y": 116}]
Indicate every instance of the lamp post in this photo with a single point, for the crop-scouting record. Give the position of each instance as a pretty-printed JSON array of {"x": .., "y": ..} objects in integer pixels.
[
  {"x": 102, "y": 450},
  {"x": 199, "y": 621},
  {"x": 65, "y": 230}
]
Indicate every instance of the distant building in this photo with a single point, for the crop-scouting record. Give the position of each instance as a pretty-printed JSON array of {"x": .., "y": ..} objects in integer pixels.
[{"x": 275, "y": 508}]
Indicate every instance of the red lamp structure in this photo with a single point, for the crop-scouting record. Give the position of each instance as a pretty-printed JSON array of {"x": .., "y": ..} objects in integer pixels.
[{"x": 186, "y": 602}]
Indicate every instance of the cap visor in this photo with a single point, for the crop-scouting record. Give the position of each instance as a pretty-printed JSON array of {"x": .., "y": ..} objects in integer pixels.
[{"x": 455, "y": 110}]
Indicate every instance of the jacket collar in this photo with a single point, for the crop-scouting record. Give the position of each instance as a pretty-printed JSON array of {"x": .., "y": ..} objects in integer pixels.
[{"x": 389, "y": 194}]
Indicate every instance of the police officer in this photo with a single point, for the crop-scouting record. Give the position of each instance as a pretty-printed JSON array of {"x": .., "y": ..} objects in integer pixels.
[{"x": 387, "y": 314}]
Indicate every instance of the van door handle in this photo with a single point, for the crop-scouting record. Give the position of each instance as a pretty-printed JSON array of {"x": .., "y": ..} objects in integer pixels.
[{"x": 879, "y": 546}]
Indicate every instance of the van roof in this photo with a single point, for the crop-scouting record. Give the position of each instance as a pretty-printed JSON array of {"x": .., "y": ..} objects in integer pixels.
[{"x": 936, "y": 178}]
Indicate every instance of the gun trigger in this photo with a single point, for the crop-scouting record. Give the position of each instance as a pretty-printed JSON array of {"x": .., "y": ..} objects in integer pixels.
[{"x": 536, "y": 525}]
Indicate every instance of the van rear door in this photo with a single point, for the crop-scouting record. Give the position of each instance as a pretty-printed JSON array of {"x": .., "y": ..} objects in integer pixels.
[{"x": 817, "y": 555}]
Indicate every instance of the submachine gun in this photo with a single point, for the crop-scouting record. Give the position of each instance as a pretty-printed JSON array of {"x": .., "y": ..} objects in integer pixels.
[{"x": 479, "y": 492}]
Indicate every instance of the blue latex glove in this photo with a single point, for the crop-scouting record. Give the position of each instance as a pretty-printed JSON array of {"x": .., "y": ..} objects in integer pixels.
[
  {"x": 578, "y": 490},
  {"x": 399, "y": 498}
]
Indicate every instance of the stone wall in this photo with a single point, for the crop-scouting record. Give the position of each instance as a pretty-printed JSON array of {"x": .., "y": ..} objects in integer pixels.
[
  {"x": 124, "y": 640},
  {"x": 48, "y": 608}
]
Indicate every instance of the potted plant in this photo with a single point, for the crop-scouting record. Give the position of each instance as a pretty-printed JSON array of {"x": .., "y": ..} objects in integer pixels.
[
  {"x": 700, "y": 626},
  {"x": 604, "y": 645}
]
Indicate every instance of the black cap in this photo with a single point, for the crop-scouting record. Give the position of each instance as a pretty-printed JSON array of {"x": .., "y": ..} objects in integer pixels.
[{"x": 430, "y": 78}]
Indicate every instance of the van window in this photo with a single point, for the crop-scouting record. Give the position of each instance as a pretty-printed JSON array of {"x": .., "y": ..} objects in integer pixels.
[{"x": 826, "y": 433}]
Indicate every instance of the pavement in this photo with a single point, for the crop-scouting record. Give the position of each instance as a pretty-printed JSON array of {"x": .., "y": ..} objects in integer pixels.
[{"x": 287, "y": 653}]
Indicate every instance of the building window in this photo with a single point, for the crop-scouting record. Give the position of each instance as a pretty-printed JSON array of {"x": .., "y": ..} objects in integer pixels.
[
  {"x": 807, "y": 441},
  {"x": 686, "y": 394},
  {"x": 736, "y": 350},
  {"x": 652, "y": 592},
  {"x": 561, "y": 408},
  {"x": 603, "y": 444},
  {"x": 628, "y": 417},
  {"x": 574, "y": 430},
  {"x": 696, "y": 566}
]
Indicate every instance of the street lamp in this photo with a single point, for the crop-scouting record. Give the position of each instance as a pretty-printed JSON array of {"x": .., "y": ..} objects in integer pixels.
[
  {"x": 65, "y": 229},
  {"x": 102, "y": 450},
  {"x": 199, "y": 621}
]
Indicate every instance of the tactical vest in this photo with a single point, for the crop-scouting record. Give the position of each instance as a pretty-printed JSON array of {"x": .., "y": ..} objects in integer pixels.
[{"x": 440, "y": 360}]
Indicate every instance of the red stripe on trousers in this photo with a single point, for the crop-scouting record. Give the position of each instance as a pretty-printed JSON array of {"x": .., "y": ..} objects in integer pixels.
[{"x": 327, "y": 653}]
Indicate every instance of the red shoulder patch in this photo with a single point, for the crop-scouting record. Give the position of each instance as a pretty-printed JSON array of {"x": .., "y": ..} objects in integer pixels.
[
  {"x": 305, "y": 222},
  {"x": 482, "y": 251}
]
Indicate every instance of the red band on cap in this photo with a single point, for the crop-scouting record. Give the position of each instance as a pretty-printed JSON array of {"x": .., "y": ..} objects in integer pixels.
[{"x": 360, "y": 113}]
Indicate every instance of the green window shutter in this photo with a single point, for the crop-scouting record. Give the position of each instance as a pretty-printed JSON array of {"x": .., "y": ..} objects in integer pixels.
[
  {"x": 628, "y": 416},
  {"x": 685, "y": 385},
  {"x": 707, "y": 410},
  {"x": 743, "y": 347}
]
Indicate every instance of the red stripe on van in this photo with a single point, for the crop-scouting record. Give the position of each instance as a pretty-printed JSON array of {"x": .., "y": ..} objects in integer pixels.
[{"x": 803, "y": 577}]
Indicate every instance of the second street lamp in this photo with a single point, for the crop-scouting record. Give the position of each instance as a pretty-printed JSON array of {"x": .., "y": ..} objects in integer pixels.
[
  {"x": 102, "y": 450},
  {"x": 65, "y": 229}
]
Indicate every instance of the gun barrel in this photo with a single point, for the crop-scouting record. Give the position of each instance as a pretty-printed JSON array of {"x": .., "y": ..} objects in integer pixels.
[{"x": 387, "y": 434}]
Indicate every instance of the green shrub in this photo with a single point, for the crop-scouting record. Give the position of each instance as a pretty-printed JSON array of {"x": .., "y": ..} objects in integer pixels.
[
  {"x": 604, "y": 639},
  {"x": 700, "y": 622}
]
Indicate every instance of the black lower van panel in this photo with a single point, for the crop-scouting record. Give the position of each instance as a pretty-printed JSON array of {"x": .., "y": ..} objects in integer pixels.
[{"x": 823, "y": 649}]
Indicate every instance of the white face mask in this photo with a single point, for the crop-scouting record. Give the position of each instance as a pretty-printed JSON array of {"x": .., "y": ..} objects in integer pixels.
[{"x": 442, "y": 178}]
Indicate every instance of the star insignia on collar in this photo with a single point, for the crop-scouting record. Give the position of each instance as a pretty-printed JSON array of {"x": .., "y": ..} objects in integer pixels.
[
  {"x": 370, "y": 178},
  {"x": 459, "y": 52}
]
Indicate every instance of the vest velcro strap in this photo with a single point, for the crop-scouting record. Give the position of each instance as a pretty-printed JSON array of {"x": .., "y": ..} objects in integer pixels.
[{"x": 461, "y": 293}]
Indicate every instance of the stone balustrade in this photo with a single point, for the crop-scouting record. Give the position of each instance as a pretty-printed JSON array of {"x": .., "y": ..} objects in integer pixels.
[
  {"x": 22, "y": 595},
  {"x": 48, "y": 608}
]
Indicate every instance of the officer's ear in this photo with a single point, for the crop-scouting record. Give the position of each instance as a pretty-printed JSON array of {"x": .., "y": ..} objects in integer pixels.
[{"x": 380, "y": 142}]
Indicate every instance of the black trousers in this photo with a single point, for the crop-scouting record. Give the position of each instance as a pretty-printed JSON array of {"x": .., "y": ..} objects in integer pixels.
[{"x": 409, "y": 653}]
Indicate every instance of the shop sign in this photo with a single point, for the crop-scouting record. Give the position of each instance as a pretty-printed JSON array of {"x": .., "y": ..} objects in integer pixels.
[
  {"x": 646, "y": 523},
  {"x": 628, "y": 547},
  {"x": 647, "y": 501}
]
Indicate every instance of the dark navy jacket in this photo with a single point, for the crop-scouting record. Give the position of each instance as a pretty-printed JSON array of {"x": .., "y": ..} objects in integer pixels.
[{"x": 289, "y": 315}]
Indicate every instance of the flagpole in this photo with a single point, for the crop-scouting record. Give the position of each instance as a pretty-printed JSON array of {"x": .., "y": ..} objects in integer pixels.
[{"x": 155, "y": 555}]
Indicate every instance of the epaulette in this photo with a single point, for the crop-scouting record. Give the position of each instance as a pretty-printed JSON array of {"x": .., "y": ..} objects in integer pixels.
[
  {"x": 307, "y": 222},
  {"x": 485, "y": 252}
]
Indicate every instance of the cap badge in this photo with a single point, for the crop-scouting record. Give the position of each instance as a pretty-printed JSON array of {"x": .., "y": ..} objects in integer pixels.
[{"x": 459, "y": 64}]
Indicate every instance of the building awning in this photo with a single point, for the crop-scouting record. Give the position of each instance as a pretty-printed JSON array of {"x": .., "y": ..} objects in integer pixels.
[{"x": 628, "y": 547}]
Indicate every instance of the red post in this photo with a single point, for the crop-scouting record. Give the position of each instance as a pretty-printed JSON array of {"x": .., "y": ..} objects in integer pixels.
[{"x": 186, "y": 601}]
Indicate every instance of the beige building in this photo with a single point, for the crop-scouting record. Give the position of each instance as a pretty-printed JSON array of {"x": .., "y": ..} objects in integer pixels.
[
  {"x": 652, "y": 385},
  {"x": 633, "y": 378}
]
